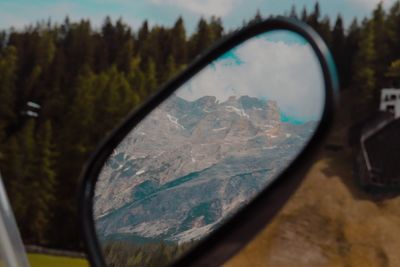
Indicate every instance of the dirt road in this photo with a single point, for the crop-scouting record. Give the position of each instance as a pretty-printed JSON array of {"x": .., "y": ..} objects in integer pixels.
[{"x": 329, "y": 222}]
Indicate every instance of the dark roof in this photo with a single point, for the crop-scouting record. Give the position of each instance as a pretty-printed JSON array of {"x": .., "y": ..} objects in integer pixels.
[
  {"x": 367, "y": 125},
  {"x": 383, "y": 150}
]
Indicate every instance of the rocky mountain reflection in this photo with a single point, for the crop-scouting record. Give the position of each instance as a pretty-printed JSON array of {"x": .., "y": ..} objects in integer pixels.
[{"x": 190, "y": 165}]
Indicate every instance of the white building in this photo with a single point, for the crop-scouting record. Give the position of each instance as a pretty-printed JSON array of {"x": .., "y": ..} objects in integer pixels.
[{"x": 390, "y": 101}]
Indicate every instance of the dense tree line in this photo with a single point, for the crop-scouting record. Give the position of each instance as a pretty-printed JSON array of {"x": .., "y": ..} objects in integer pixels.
[
  {"x": 128, "y": 254},
  {"x": 86, "y": 79}
]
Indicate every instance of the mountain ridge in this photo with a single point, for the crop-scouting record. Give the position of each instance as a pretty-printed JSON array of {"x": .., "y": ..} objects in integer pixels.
[{"x": 190, "y": 164}]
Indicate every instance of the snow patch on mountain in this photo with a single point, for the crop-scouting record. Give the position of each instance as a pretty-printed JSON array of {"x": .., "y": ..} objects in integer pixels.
[{"x": 174, "y": 120}]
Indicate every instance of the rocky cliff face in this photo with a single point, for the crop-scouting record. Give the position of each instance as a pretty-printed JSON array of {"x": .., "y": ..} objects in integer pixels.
[{"x": 189, "y": 165}]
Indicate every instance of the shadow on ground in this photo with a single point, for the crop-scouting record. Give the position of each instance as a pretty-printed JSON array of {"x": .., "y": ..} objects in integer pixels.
[{"x": 340, "y": 159}]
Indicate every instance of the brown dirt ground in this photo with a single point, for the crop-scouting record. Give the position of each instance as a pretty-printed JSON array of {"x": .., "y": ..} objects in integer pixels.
[{"x": 329, "y": 221}]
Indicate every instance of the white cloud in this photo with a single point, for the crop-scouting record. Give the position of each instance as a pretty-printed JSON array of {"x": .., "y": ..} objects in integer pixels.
[
  {"x": 370, "y": 4},
  {"x": 287, "y": 73},
  {"x": 18, "y": 16},
  {"x": 219, "y": 8}
]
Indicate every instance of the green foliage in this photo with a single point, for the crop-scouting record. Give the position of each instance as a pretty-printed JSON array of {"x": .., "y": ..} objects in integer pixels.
[
  {"x": 338, "y": 45},
  {"x": 42, "y": 260},
  {"x": 8, "y": 65},
  {"x": 150, "y": 75},
  {"x": 364, "y": 75},
  {"x": 393, "y": 27},
  {"x": 179, "y": 47},
  {"x": 206, "y": 34},
  {"x": 30, "y": 178},
  {"x": 170, "y": 69},
  {"x": 123, "y": 253},
  {"x": 11, "y": 169},
  {"x": 364, "y": 78},
  {"x": 42, "y": 185},
  {"x": 86, "y": 80},
  {"x": 393, "y": 72}
]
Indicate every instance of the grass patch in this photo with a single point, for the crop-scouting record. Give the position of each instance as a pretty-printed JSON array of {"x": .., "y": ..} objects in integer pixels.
[{"x": 42, "y": 260}]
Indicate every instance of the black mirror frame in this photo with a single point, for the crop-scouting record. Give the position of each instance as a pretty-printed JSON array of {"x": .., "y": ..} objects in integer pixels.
[{"x": 225, "y": 241}]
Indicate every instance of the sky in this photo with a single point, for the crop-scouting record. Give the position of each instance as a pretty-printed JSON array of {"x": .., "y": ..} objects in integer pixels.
[
  {"x": 19, "y": 13},
  {"x": 269, "y": 67}
]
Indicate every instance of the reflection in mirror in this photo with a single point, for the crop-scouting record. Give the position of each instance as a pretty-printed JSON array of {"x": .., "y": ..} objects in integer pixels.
[{"x": 207, "y": 150}]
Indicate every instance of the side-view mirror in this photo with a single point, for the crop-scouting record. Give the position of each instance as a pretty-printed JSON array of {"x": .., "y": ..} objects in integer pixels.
[{"x": 193, "y": 174}]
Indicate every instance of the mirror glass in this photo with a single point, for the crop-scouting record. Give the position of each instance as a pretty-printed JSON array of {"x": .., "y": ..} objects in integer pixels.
[{"x": 206, "y": 151}]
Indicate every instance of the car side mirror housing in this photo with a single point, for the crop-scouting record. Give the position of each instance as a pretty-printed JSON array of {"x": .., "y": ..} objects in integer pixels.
[{"x": 200, "y": 168}]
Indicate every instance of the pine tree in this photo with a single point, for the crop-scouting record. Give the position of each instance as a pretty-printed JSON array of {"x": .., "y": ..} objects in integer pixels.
[
  {"x": 42, "y": 184},
  {"x": 28, "y": 147},
  {"x": 393, "y": 29},
  {"x": 150, "y": 76},
  {"x": 75, "y": 140},
  {"x": 293, "y": 12},
  {"x": 170, "y": 69},
  {"x": 11, "y": 166},
  {"x": 119, "y": 42},
  {"x": 108, "y": 37},
  {"x": 382, "y": 57},
  {"x": 79, "y": 49},
  {"x": 143, "y": 34},
  {"x": 316, "y": 14},
  {"x": 45, "y": 50},
  {"x": 178, "y": 45},
  {"x": 304, "y": 14},
  {"x": 324, "y": 29},
  {"x": 3, "y": 38},
  {"x": 143, "y": 44},
  {"x": 217, "y": 28},
  {"x": 124, "y": 56},
  {"x": 364, "y": 74},
  {"x": 8, "y": 65},
  {"x": 257, "y": 17},
  {"x": 338, "y": 49},
  {"x": 351, "y": 49},
  {"x": 136, "y": 79},
  {"x": 393, "y": 73},
  {"x": 81, "y": 117},
  {"x": 201, "y": 39}
]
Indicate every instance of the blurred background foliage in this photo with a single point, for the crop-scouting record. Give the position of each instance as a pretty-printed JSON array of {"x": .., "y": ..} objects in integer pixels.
[{"x": 87, "y": 79}]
